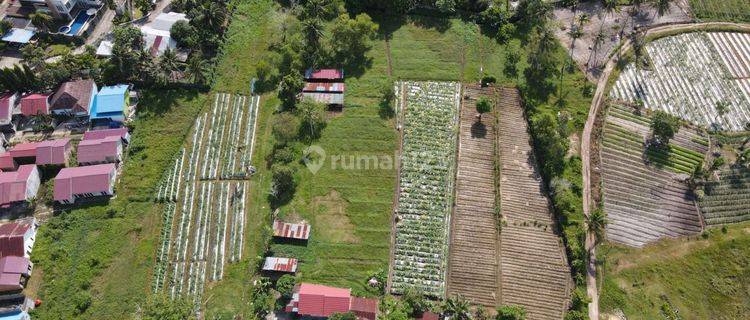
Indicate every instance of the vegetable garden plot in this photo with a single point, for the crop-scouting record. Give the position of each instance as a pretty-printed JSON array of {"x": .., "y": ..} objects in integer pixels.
[
  {"x": 205, "y": 194},
  {"x": 644, "y": 197},
  {"x": 426, "y": 186},
  {"x": 533, "y": 269},
  {"x": 692, "y": 75}
]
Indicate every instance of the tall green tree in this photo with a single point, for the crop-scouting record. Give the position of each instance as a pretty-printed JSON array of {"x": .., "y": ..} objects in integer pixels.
[
  {"x": 312, "y": 114},
  {"x": 127, "y": 52},
  {"x": 41, "y": 20},
  {"x": 483, "y": 106},
  {"x": 290, "y": 87},
  {"x": 664, "y": 126},
  {"x": 350, "y": 38},
  {"x": 168, "y": 65}
]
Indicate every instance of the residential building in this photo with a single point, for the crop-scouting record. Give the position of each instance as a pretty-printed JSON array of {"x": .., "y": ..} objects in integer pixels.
[
  {"x": 34, "y": 104},
  {"x": 53, "y": 152},
  {"x": 325, "y": 86},
  {"x": 74, "y": 98},
  {"x": 319, "y": 301},
  {"x": 18, "y": 186},
  {"x": 101, "y": 134},
  {"x": 96, "y": 151},
  {"x": 17, "y": 238},
  {"x": 16, "y": 264},
  {"x": 8, "y": 102},
  {"x": 324, "y": 75},
  {"x": 111, "y": 104},
  {"x": 82, "y": 182}
]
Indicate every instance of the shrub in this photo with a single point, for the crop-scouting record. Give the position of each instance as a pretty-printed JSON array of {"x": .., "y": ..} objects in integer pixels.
[
  {"x": 511, "y": 312},
  {"x": 285, "y": 285},
  {"x": 343, "y": 316},
  {"x": 488, "y": 79}
]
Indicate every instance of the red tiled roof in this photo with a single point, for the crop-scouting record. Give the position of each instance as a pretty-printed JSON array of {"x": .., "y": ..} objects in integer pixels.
[
  {"x": 100, "y": 150},
  {"x": 100, "y": 134},
  {"x": 324, "y": 74},
  {"x": 324, "y": 87},
  {"x": 322, "y": 301},
  {"x": 35, "y": 103},
  {"x": 291, "y": 230},
  {"x": 12, "y": 239},
  {"x": 6, "y": 107},
  {"x": 364, "y": 308}
]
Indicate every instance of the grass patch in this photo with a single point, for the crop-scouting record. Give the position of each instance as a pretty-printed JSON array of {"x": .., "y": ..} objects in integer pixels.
[
  {"x": 76, "y": 248},
  {"x": 699, "y": 278}
]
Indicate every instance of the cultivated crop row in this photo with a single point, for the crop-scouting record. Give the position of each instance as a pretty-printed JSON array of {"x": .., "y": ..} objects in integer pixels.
[
  {"x": 643, "y": 197},
  {"x": 206, "y": 199},
  {"x": 426, "y": 186},
  {"x": 728, "y": 199},
  {"x": 533, "y": 270},
  {"x": 693, "y": 76}
]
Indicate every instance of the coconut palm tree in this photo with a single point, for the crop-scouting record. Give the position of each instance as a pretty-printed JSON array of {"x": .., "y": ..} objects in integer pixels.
[
  {"x": 663, "y": 7},
  {"x": 168, "y": 64},
  {"x": 197, "y": 69},
  {"x": 596, "y": 222}
]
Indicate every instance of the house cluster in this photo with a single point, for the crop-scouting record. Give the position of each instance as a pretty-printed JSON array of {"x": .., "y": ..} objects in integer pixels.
[
  {"x": 81, "y": 99},
  {"x": 79, "y": 17},
  {"x": 157, "y": 37},
  {"x": 325, "y": 86},
  {"x": 98, "y": 155},
  {"x": 16, "y": 242}
]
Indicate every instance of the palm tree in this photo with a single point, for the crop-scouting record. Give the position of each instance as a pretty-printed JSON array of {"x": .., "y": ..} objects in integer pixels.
[
  {"x": 168, "y": 63},
  {"x": 212, "y": 15},
  {"x": 197, "y": 69},
  {"x": 41, "y": 20},
  {"x": 663, "y": 7},
  {"x": 457, "y": 307},
  {"x": 596, "y": 222}
]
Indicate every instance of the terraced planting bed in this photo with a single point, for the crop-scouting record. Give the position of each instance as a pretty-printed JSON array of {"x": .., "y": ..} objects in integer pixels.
[
  {"x": 645, "y": 196},
  {"x": 473, "y": 269},
  {"x": 205, "y": 197},
  {"x": 425, "y": 192},
  {"x": 727, "y": 200},
  {"x": 533, "y": 268},
  {"x": 691, "y": 75}
]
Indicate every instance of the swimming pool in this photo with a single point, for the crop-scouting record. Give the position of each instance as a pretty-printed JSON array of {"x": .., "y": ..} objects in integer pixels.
[{"x": 74, "y": 27}]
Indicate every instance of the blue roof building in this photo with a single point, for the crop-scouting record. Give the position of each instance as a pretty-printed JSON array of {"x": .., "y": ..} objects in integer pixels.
[{"x": 111, "y": 103}]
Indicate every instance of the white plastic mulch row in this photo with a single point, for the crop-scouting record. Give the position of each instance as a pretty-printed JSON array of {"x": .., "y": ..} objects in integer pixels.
[{"x": 692, "y": 74}]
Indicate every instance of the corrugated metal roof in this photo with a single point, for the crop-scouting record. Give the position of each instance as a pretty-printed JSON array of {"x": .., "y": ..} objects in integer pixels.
[
  {"x": 320, "y": 301},
  {"x": 324, "y": 87},
  {"x": 280, "y": 264},
  {"x": 13, "y": 185},
  {"x": 327, "y": 98},
  {"x": 101, "y": 134},
  {"x": 291, "y": 230},
  {"x": 364, "y": 308},
  {"x": 324, "y": 74},
  {"x": 82, "y": 180}
]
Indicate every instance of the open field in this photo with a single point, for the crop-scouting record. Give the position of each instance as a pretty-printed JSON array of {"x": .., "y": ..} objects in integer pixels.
[
  {"x": 721, "y": 10},
  {"x": 644, "y": 199},
  {"x": 698, "y": 278},
  {"x": 206, "y": 197},
  {"x": 533, "y": 267},
  {"x": 473, "y": 269},
  {"x": 692, "y": 74},
  {"x": 426, "y": 181},
  {"x": 96, "y": 260}
]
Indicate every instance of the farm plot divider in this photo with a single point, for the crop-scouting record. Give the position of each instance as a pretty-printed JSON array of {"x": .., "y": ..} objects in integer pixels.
[{"x": 205, "y": 193}]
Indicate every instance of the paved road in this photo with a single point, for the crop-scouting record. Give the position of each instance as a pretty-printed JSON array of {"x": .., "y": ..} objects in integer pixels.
[{"x": 599, "y": 99}]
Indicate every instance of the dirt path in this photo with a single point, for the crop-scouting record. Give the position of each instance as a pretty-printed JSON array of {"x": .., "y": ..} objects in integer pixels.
[
  {"x": 596, "y": 104},
  {"x": 388, "y": 56}
]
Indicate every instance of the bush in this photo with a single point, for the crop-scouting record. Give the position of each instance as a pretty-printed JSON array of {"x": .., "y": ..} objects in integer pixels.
[
  {"x": 285, "y": 285},
  {"x": 285, "y": 128},
  {"x": 488, "y": 79},
  {"x": 511, "y": 312},
  {"x": 184, "y": 34},
  {"x": 343, "y": 316}
]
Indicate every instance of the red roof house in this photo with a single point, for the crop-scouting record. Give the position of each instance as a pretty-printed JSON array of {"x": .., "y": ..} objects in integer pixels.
[
  {"x": 8, "y": 102},
  {"x": 105, "y": 150},
  {"x": 18, "y": 186},
  {"x": 324, "y": 74},
  {"x": 299, "y": 231},
  {"x": 74, "y": 97},
  {"x": 15, "y": 264},
  {"x": 24, "y": 150},
  {"x": 10, "y": 282},
  {"x": 274, "y": 264},
  {"x": 7, "y": 162},
  {"x": 331, "y": 87},
  {"x": 54, "y": 152},
  {"x": 34, "y": 104},
  {"x": 17, "y": 238},
  {"x": 80, "y": 182},
  {"x": 315, "y": 300},
  {"x": 101, "y": 134}
]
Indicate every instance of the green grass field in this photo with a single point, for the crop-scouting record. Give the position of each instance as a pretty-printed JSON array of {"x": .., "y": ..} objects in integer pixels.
[
  {"x": 95, "y": 261},
  {"x": 699, "y": 278},
  {"x": 721, "y": 10}
]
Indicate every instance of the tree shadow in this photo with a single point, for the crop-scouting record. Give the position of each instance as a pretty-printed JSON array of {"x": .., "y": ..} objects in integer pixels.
[
  {"x": 478, "y": 130},
  {"x": 431, "y": 19}
]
